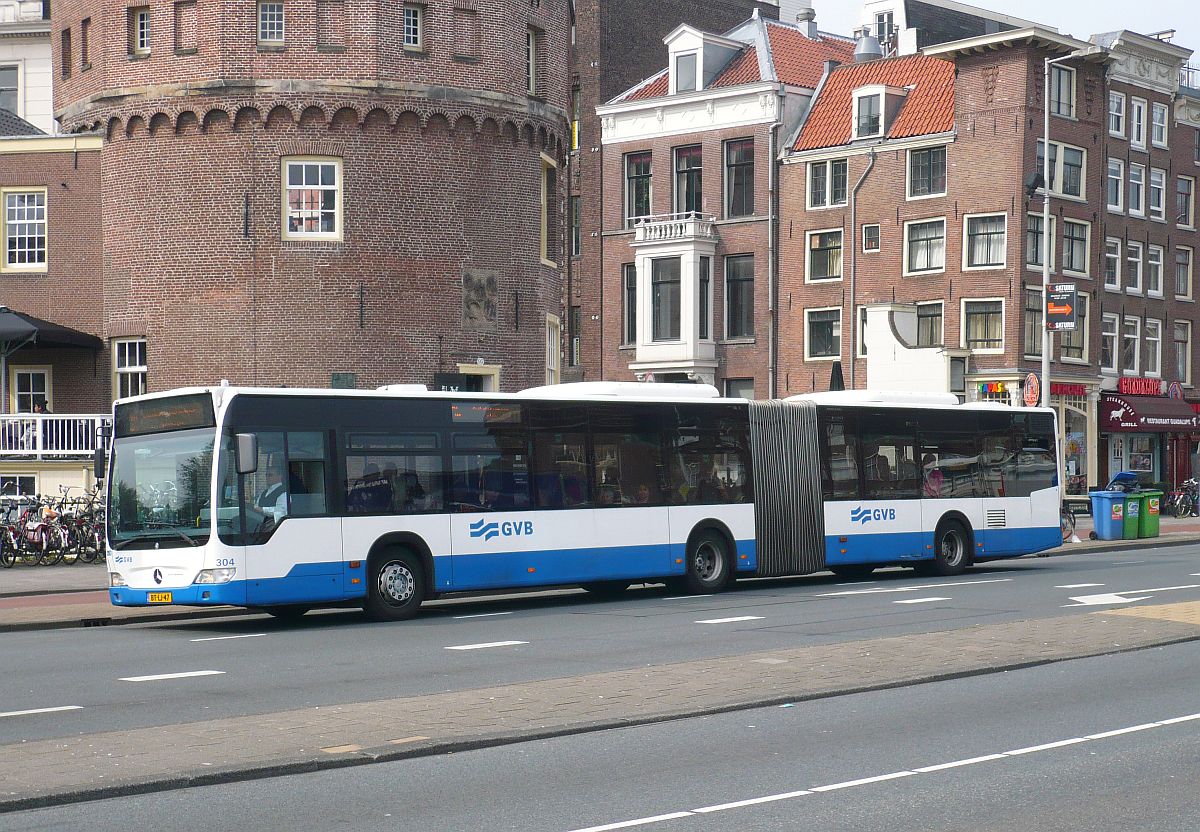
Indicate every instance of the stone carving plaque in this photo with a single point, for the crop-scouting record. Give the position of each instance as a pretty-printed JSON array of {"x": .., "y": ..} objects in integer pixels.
[{"x": 480, "y": 292}]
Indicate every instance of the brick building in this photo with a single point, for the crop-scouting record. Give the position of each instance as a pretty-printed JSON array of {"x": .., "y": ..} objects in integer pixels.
[
  {"x": 688, "y": 252},
  {"x": 328, "y": 192}
]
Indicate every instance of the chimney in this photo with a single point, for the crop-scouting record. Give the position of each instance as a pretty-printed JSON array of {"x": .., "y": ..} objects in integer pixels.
[
  {"x": 867, "y": 47},
  {"x": 807, "y": 20},
  {"x": 799, "y": 13}
]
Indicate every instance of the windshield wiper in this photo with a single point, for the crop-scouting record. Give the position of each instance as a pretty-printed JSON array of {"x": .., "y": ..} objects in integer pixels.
[{"x": 121, "y": 544}]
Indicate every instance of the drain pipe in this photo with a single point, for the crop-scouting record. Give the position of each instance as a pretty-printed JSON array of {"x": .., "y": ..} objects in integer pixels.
[
  {"x": 772, "y": 261},
  {"x": 854, "y": 243}
]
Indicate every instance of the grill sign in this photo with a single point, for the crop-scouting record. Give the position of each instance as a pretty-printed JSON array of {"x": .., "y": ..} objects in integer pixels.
[{"x": 1060, "y": 306}]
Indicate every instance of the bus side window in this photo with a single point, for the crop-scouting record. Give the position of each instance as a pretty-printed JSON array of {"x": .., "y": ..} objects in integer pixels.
[
  {"x": 888, "y": 458},
  {"x": 839, "y": 456},
  {"x": 560, "y": 461},
  {"x": 949, "y": 454},
  {"x": 307, "y": 455}
]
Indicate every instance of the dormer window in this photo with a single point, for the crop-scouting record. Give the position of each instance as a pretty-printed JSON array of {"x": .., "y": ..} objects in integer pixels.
[
  {"x": 875, "y": 108},
  {"x": 685, "y": 72},
  {"x": 867, "y": 120}
]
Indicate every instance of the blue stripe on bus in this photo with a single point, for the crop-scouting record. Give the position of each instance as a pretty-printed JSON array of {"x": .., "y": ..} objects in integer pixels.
[
  {"x": 315, "y": 582},
  {"x": 914, "y": 546}
]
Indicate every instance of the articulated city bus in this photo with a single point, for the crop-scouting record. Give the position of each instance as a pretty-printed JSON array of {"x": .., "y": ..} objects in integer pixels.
[{"x": 288, "y": 499}]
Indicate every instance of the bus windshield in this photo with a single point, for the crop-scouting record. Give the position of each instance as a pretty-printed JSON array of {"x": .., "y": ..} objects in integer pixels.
[{"x": 159, "y": 493}]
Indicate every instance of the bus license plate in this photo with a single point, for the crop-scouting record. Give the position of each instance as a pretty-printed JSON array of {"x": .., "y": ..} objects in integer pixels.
[{"x": 158, "y": 598}]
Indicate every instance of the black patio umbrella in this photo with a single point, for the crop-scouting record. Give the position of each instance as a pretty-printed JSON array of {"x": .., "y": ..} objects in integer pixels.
[
  {"x": 18, "y": 330},
  {"x": 836, "y": 382}
]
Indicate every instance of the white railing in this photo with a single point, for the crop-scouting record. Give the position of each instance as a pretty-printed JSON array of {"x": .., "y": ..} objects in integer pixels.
[
  {"x": 30, "y": 436},
  {"x": 1189, "y": 76},
  {"x": 666, "y": 227}
]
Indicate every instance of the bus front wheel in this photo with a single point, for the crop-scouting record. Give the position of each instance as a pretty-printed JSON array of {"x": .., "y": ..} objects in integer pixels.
[
  {"x": 951, "y": 547},
  {"x": 708, "y": 563},
  {"x": 395, "y": 585}
]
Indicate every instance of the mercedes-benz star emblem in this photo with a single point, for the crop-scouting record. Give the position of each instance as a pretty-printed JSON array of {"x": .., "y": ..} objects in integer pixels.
[{"x": 158, "y": 576}]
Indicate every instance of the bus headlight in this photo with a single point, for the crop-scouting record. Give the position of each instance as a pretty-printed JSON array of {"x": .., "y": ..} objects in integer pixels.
[
  {"x": 115, "y": 579},
  {"x": 215, "y": 576}
]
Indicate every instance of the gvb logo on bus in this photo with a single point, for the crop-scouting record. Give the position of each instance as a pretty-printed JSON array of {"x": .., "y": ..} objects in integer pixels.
[
  {"x": 507, "y": 528},
  {"x": 868, "y": 515}
]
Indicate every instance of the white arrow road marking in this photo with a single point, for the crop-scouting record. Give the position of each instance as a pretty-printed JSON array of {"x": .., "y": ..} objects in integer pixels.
[
  {"x": 919, "y": 600},
  {"x": 920, "y": 588},
  {"x": 43, "y": 711},
  {"x": 1077, "y": 586},
  {"x": 227, "y": 638},
  {"x": 730, "y": 620},
  {"x": 160, "y": 676},
  {"x": 1118, "y": 597},
  {"x": 487, "y": 645}
]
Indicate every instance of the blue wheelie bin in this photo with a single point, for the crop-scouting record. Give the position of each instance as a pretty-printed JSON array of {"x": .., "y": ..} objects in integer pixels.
[{"x": 1108, "y": 514}]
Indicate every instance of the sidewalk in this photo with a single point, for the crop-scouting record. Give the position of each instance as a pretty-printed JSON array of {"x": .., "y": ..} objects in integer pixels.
[
  {"x": 56, "y": 597},
  {"x": 92, "y": 766}
]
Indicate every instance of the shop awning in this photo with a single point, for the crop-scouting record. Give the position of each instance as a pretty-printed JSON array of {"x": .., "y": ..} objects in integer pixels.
[{"x": 1146, "y": 414}]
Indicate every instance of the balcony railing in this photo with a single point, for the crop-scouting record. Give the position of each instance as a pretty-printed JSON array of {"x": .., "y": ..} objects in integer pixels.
[
  {"x": 661, "y": 228},
  {"x": 1189, "y": 76},
  {"x": 31, "y": 436}
]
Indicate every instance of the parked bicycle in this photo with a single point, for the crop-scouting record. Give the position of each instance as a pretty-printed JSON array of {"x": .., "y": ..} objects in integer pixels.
[
  {"x": 1182, "y": 503},
  {"x": 42, "y": 531}
]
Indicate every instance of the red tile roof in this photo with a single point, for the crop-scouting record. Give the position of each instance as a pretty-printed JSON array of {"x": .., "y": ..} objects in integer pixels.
[
  {"x": 741, "y": 70},
  {"x": 928, "y": 107},
  {"x": 799, "y": 61},
  {"x": 651, "y": 88}
]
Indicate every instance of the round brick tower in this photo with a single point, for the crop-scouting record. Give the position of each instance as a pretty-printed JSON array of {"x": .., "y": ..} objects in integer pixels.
[{"x": 317, "y": 192}]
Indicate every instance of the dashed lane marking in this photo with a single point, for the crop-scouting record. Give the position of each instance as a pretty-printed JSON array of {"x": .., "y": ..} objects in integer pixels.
[
  {"x": 1077, "y": 586},
  {"x": 920, "y": 588},
  {"x": 895, "y": 775},
  {"x": 920, "y": 600},
  {"x": 482, "y": 615},
  {"x": 158, "y": 677},
  {"x": 33, "y": 711},
  {"x": 732, "y": 620},
  {"x": 486, "y": 645},
  {"x": 229, "y": 638}
]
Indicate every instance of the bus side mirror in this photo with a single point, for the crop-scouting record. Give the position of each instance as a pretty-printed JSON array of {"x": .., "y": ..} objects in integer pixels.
[
  {"x": 99, "y": 464},
  {"x": 247, "y": 453}
]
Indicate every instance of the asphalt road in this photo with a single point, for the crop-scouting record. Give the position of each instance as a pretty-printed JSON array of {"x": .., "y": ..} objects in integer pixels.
[
  {"x": 1043, "y": 748},
  {"x": 110, "y": 678}
]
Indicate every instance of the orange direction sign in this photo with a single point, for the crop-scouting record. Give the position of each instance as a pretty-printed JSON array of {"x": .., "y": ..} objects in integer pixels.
[{"x": 1061, "y": 303}]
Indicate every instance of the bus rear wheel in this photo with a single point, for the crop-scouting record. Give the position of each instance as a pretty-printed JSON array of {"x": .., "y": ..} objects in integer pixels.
[
  {"x": 395, "y": 585},
  {"x": 708, "y": 565},
  {"x": 951, "y": 546}
]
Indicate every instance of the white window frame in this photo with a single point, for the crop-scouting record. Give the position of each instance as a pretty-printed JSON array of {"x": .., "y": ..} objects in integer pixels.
[
  {"x": 1187, "y": 381},
  {"x": 1158, "y": 129},
  {"x": 696, "y": 86},
  {"x": 963, "y": 317},
  {"x": 908, "y": 177},
  {"x": 827, "y": 164},
  {"x": 5, "y": 266},
  {"x": 417, "y": 12},
  {"x": 1156, "y": 350},
  {"x": 1059, "y": 69},
  {"x": 15, "y": 370},
  {"x": 1059, "y": 168},
  {"x": 808, "y": 356},
  {"x": 942, "y": 333},
  {"x": 1151, "y": 251},
  {"x": 1037, "y": 267},
  {"x": 19, "y": 90},
  {"x": 272, "y": 22},
  {"x": 1114, "y": 287},
  {"x": 966, "y": 246},
  {"x": 141, "y": 31},
  {"x": 553, "y": 349},
  {"x": 339, "y": 188},
  {"x": 1137, "y": 344},
  {"x": 878, "y": 238},
  {"x": 549, "y": 207},
  {"x": 861, "y": 340},
  {"x": 1190, "y": 226},
  {"x": 122, "y": 345},
  {"x": 1138, "y": 122},
  {"x": 1191, "y": 270},
  {"x": 1117, "y": 207},
  {"x": 808, "y": 257},
  {"x": 878, "y": 93},
  {"x": 1115, "y": 320},
  {"x": 1084, "y": 301},
  {"x": 531, "y": 61},
  {"x": 904, "y": 266},
  {"x": 1158, "y": 212},
  {"x": 1140, "y": 209},
  {"x": 1138, "y": 287},
  {"x": 1087, "y": 247},
  {"x": 1117, "y": 113}
]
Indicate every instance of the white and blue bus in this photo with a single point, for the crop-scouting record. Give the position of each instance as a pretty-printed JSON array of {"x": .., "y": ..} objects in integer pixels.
[{"x": 289, "y": 499}]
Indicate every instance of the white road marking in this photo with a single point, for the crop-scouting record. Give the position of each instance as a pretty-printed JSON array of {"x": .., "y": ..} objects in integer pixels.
[
  {"x": 487, "y": 645},
  {"x": 1077, "y": 586},
  {"x": 227, "y": 638},
  {"x": 1126, "y": 562},
  {"x": 1118, "y": 597},
  {"x": 919, "y": 600},
  {"x": 33, "y": 711},
  {"x": 686, "y": 597},
  {"x": 160, "y": 676},
  {"x": 482, "y": 615},
  {"x": 878, "y": 590},
  {"x": 731, "y": 620},
  {"x": 895, "y": 775}
]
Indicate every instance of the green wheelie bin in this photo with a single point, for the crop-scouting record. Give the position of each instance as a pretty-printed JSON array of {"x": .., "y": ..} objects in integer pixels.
[
  {"x": 1133, "y": 515},
  {"x": 1151, "y": 502}
]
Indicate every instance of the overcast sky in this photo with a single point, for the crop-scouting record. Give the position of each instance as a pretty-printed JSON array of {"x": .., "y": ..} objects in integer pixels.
[{"x": 1080, "y": 18}]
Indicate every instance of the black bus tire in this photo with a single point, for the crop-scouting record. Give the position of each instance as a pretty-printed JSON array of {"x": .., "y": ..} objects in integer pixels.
[
  {"x": 709, "y": 564},
  {"x": 395, "y": 584},
  {"x": 951, "y": 549}
]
